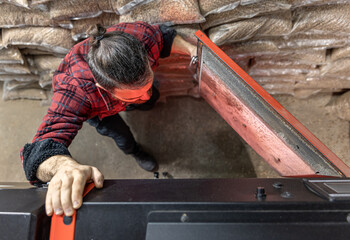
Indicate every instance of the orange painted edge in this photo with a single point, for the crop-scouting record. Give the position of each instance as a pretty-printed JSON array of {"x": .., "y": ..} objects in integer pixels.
[
  {"x": 337, "y": 162},
  {"x": 88, "y": 188},
  {"x": 61, "y": 231}
]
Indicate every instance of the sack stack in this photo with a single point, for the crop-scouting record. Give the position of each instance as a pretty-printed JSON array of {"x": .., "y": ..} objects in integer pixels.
[
  {"x": 294, "y": 47},
  {"x": 288, "y": 46}
]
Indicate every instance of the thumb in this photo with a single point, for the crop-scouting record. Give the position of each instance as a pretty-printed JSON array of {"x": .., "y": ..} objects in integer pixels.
[{"x": 97, "y": 177}]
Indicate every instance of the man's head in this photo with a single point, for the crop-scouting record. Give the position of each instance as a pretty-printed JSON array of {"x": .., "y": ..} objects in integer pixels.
[{"x": 120, "y": 65}]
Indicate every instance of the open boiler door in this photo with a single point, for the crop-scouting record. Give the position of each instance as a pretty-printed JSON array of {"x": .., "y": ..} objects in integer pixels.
[{"x": 277, "y": 136}]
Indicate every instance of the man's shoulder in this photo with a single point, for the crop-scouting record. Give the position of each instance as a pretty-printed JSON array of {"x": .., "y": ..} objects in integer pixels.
[
  {"x": 75, "y": 62},
  {"x": 74, "y": 69},
  {"x": 66, "y": 81}
]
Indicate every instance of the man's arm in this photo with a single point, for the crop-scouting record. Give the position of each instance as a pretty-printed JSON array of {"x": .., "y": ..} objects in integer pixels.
[
  {"x": 47, "y": 158},
  {"x": 174, "y": 43},
  {"x": 182, "y": 47}
]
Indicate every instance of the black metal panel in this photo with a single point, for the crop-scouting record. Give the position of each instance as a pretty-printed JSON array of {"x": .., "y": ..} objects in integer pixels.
[
  {"x": 198, "y": 190},
  {"x": 185, "y": 209},
  {"x": 22, "y": 214},
  {"x": 210, "y": 209},
  {"x": 242, "y": 231}
]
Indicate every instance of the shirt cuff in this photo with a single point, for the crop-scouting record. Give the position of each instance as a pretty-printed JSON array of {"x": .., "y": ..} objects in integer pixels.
[
  {"x": 36, "y": 153},
  {"x": 168, "y": 37}
]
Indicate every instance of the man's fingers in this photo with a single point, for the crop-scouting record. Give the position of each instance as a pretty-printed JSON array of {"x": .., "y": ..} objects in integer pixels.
[
  {"x": 97, "y": 176},
  {"x": 65, "y": 192},
  {"x": 77, "y": 190},
  {"x": 48, "y": 203},
  {"x": 66, "y": 195},
  {"x": 56, "y": 197}
]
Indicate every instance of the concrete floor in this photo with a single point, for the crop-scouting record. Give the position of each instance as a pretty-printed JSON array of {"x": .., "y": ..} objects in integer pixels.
[{"x": 187, "y": 137}]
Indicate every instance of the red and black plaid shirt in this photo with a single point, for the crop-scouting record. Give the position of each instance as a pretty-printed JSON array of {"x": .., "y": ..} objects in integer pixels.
[
  {"x": 75, "y": 95},
  {"x": 77, "y": 99}
]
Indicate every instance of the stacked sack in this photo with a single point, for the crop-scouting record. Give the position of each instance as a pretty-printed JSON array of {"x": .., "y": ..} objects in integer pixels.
[
  {"x": 36, "y": 35},
  {"x": 292, "y": 47}
]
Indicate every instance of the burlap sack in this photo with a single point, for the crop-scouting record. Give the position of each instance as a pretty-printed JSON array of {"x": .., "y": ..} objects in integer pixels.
[
  {"x": 13, "y": 84},
  {"x": 67, "y": 24},
  {"x": 175, "y": 77},
  {"x": 271, "y": 70},
  {"x": 289, "y": 89},
  {"x": 174, "y": 69},
  {"x": 324, "y": 83},
  {"x": 108, "y": 6},
  {"x": 301, "y": 3},
  {"x": 307, "y": 41},
  {"x": 45, "y": 80},
  {"x": 283, "y": 91},
  {"x": 175, "y": 66},
  {"x": 269, "y": 25},
  {"x": 47, "y": 63},
  {"x": 74, "y": 9},
  {"x": 340, "y": 67},
  {"x": 166, "y": 11},
  {"x": 216, "y": 6},
  {"x": 36, "y": 2},
  {"x": 187, "y": 32},
  {"x": 306, "y": 93},
  {"x": 20, "y": 77},
  {"x": 80, "y": 27},
  {"x": 20, "y": 3},
  {"x": 245, "y": 12},
  {"x": 29, "y": 60},
  {"x": 247, "y": 2},
  {"x": 43, "y": 38},
  {"x": 331, "y": 19},
  {"x": 339, "y": 53},
  {"x": 15, "y": 68},
  {"x": 47, "y": 102},
  {"x": 278, "y": 79},
  {"x": 11, "y": 55},
  {"x": 31, "y": 51},
  {"x": 30, "y": 91},
  {"x": 242, "y": 62},
  {"x": 43, "y": 6},
  {"x": 281, "y": 86},
  {"x": 341, "y": 106},
  {"x": 250, "y": 49},
  {"x": 1, "y": 43},
  {"x": 14, "y": 16},
  {"x": 281, "y": 64},
  {"x": 125, "y": 6},
  {"x": 312, "y": 56}
]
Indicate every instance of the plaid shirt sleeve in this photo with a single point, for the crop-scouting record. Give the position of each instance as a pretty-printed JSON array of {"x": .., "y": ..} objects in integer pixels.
[{"x": 69, "y": 109}]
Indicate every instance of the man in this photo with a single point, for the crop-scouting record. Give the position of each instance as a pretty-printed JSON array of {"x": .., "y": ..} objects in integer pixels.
[{"x": 99, "y": 77}]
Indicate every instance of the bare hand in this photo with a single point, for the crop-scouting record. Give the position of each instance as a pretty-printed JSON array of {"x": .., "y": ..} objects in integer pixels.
[
  {"x": 182, "y": 47},
  {"x": 193, "y": 50},
  {"x": 65, "y": 191}
]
